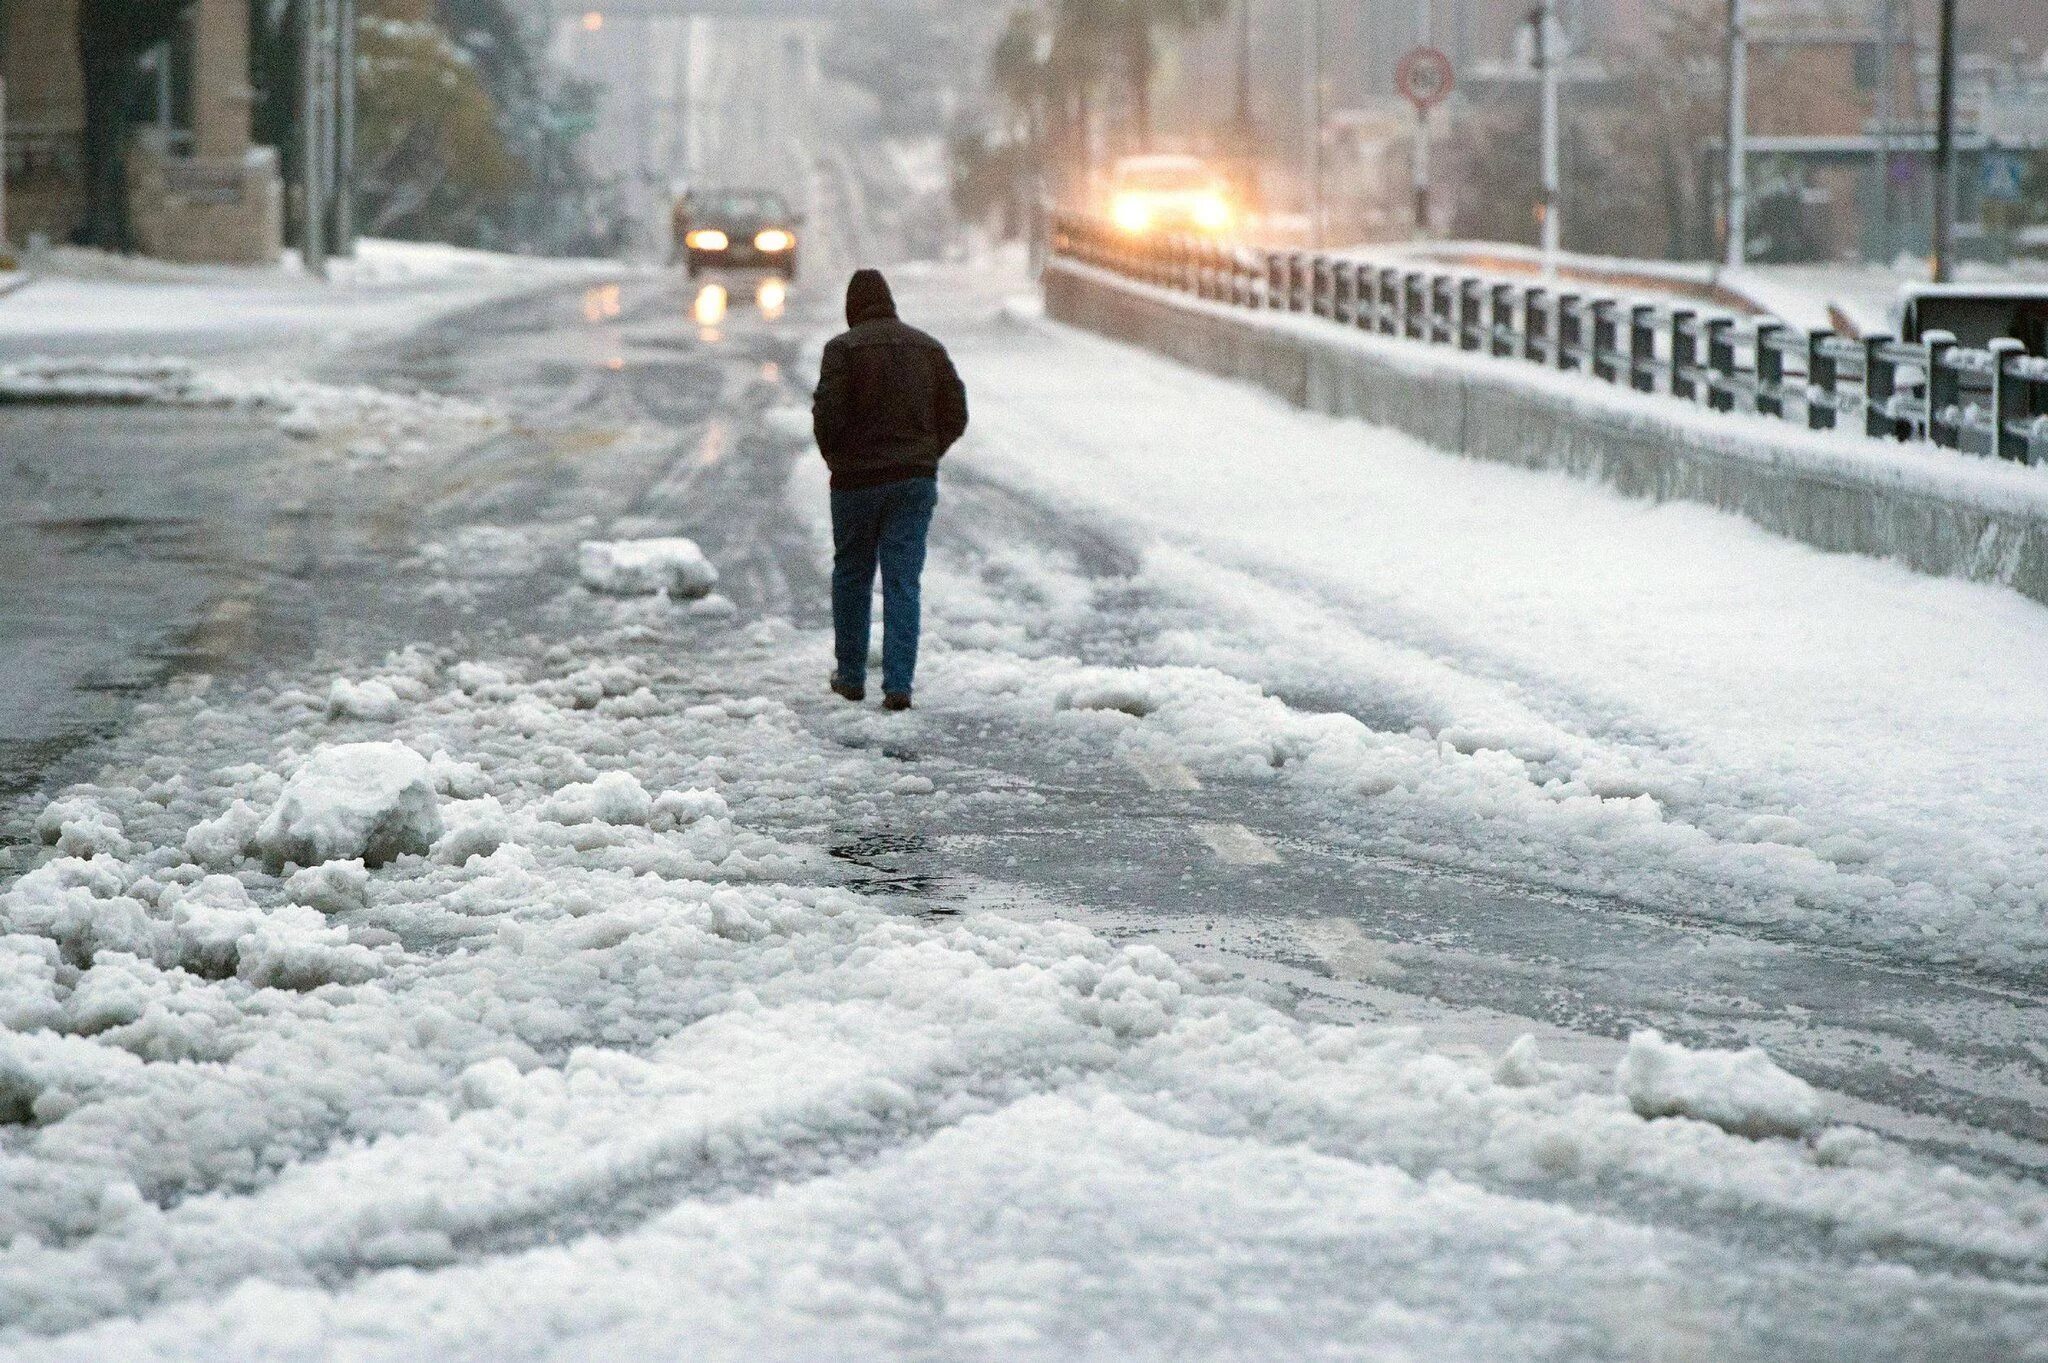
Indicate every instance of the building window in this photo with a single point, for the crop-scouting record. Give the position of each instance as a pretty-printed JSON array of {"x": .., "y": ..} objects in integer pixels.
[{"x": 1868, "y": 60}]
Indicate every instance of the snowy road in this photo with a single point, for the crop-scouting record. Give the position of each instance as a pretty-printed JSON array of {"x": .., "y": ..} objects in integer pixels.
[
  {"x": 864, "y": 1047},
  {"x": 1314, "y": 911}
]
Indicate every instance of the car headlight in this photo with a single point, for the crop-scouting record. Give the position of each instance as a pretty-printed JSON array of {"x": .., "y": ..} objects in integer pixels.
[
  {"x": 1211, "y": 213},
  {"x": 707, "y": 239},
  {"x": 1131, "y": 213},
  {"x": 774, "y": 239}
]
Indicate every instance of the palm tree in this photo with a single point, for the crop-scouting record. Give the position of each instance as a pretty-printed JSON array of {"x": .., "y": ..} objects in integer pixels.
[
  {"x": 1137, "y": 24},
  {"x": 1053, "y": 59}
]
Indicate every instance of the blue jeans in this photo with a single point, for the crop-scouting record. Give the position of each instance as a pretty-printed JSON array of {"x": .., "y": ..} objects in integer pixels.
[{"x": 885, "y": 524}]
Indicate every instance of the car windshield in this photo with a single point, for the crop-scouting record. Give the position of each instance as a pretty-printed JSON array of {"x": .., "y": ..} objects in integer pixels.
[{"x": 745, "y": 204}]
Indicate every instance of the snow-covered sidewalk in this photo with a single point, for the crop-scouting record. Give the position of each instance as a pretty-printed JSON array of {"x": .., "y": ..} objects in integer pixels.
[
  {"x": 1521, "y": 672},
  {"x": 82, "y": 301}
]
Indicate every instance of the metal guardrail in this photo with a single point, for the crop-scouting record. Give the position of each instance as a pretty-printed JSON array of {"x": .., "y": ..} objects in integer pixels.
[{"x": 1990, "y": 401}]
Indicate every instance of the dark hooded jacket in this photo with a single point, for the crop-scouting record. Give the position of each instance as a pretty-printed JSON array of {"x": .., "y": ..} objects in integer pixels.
[{"x": 889, "y": 402}]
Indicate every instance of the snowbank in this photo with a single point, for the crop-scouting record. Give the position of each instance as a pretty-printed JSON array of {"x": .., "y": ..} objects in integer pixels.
[
  {"x": 675, "y": 566},
  {"x": 388, "y": 425},
  {"x": 375, "y": 801},
  {"x": 78, "y": 299}
]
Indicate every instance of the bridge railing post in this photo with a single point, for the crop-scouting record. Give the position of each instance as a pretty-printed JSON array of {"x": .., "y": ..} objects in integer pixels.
[
  {"x": 1535, "y": 324},
  {"x": 1821, "y": 374},
  {"x": 1770, "y": 369},
  {"x": 1500, "y": 321},
  {"x": 2017, "y": 398},
  {"x": 1606, "y": 340},
  {"x": 1878, "y": 383},
  {"x": 1642, "y": 347},
  {"x": 1944, "y": 390},
  {"x": 1684, "y": 354},
  {"x": 1471, "y": 303},
  {"x": 1721, "y": 364}
]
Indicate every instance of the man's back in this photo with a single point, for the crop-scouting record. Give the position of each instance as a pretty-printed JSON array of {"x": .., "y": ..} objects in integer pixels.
[
  {"x": 889, "y": 402},
  {"x": 888, "y": 407}
]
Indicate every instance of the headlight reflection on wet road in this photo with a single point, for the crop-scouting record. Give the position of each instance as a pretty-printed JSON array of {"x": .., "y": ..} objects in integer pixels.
[
  {"x": 710, "y": 307},
  {"x": 600, "y": 301},
  {"x": 714, "y": 302}
]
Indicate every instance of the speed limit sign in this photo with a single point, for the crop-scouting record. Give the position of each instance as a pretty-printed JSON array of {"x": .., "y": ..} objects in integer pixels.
[{"x": 1424, "y": 77}]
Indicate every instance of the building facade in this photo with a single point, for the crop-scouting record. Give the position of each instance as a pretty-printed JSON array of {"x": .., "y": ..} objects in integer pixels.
[{"x": 196, "y": 187}]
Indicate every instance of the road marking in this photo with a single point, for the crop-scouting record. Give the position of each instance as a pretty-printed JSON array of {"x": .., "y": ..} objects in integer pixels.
[
  {"x": 1162, "y": 773},
  {"x": 1236, "y": 844}
]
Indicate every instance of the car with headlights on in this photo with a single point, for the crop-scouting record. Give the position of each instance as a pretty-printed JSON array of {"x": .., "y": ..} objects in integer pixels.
[
  {"x": 1167, "y": 193},
  {"x": 746, "y": 229}
]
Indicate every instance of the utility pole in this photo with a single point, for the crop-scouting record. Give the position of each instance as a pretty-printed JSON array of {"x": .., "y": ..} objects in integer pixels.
[
  {"x": 3, "y": 151},
  {"x": 1944, "y": 146},
  {"x": 314, "y": 88},
  {"x": 1735, "y": 245},
  {"x": 1887, "y": 118},
  {"x": 345, "y": 136},
  {"x": 1317, "y": 114},
  {"x": 1549, "y": 57},
  {"x": 3, "y": 128}
]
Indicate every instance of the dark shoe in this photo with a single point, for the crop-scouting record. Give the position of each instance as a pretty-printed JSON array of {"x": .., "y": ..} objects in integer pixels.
[
  {"x": 848, "y": 690},
  {"x": 896, "y": 701}
]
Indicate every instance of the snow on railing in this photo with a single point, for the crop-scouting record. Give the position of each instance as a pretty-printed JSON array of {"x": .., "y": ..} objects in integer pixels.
[{"x": 1993, "y": 400}]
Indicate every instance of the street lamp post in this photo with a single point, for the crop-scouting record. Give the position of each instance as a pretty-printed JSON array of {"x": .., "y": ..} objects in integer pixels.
[
  {"x": 1735, "y": 246},
  {"x": 1944, "y": 147}
]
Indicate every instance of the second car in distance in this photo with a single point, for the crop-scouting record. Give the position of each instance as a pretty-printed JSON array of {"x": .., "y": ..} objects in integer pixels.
[{"x": 737, "y": 229}]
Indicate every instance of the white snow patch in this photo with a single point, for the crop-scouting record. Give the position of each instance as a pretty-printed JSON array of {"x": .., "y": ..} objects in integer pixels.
[
  {"x": 372, "y": 700},
  {"x": 375, "y": 801},
  {"x": 80, "y": 826},
  {"x": 672, "y": 565},
  {"x": 332, "y": 887},
  {"x": 1738, "y": 1091},
  {"x": 615, "y": 798}
]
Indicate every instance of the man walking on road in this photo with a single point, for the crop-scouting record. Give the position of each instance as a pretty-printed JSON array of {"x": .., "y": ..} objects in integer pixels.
[{"x": 889, "y": 405}]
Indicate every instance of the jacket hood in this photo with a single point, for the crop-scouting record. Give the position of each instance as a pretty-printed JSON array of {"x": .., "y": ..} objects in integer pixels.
[{"x": 868, "y": 298}]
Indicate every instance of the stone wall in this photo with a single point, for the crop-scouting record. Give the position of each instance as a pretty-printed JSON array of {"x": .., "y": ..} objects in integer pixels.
[{"x": 224, "y": 210}]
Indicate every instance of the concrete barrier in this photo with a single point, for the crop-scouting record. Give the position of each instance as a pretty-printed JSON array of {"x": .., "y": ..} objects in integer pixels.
[{"x": 1939, "y": 512}]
